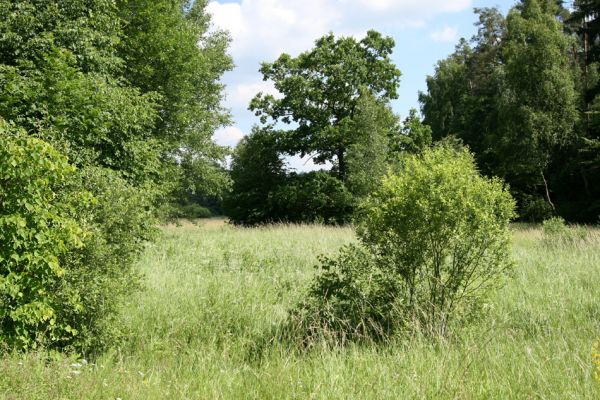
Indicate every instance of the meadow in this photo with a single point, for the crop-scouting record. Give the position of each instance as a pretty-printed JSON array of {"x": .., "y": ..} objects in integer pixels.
[{"x": 199, "y": 329}]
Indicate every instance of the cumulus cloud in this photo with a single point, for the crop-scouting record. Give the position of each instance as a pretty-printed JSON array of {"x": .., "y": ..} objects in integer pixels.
[
  {"x": 229, "y": 136},
  {"x": 241, "y": 94},
  {"x": 445, "y": 35},
  {"x": 269, "y": 27},
  {"x": 263, "y": 29}
]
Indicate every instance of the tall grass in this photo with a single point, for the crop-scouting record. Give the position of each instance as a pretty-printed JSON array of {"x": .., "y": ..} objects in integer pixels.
[{"x": 214, "y": 293}]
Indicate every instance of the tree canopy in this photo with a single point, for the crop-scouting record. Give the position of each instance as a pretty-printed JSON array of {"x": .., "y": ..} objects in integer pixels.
[{"x": 320, "y": 91}]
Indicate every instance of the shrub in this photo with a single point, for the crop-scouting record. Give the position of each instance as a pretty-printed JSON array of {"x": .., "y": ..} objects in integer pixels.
[
  {"x": 351, "y": 298},
  {"x": 437, "y": 240},
  {"x": 557, "y": 232},
  {"x": 443, "y": 228},
  {"x": 68, "y": 241},
  {"x": 36, "y": 232},
  {"x": 256, "y": 168},
  {"x": 192, "y": 211},
  {"x": 534, "y": 208},
  {"x": 118, "y": 222},
  {"x": 311, "y": 197}
]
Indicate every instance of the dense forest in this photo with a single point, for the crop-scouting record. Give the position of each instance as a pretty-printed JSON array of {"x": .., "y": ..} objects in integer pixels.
[{"x": 107, "y": 111}]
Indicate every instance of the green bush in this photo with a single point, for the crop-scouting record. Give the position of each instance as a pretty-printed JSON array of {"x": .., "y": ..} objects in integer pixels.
[
  {"x": 192, "y": 211},
  {"x": 352, "y": 298},
  {"x": 534, "y": 208},
  {"x": 118, "y": 222},
  {"x": 443, "y": 228},
  {"x": 68, "y": 241},
  {"x": 557, "y": 233},
  {"x": 36, "y": 232},
  {"x": 437, "y": 239},
  {"x": 311, "y": 197}
]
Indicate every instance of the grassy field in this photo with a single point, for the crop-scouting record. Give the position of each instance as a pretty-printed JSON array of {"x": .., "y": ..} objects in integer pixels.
[{"x": 213, "y": 292}]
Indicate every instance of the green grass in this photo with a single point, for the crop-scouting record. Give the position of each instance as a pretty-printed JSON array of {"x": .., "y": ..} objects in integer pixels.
[{"x": 213, "y": 292}]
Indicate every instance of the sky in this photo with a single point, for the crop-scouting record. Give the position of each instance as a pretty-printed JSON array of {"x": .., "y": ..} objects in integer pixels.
[{"x": 425, "y": 31}]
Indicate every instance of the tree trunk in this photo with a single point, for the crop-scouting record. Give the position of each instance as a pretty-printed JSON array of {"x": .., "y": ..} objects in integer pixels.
[
  {"x": 547, "y": 191},
  {"x": 341, "y": 164}
]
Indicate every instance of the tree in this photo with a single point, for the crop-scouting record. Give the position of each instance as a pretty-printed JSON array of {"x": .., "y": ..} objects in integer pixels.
[
  {"x": 256, "y": 169},
  {"x": 462, "y": 96},
  {"x": 168, "y": 49},
  {"x": 414, "y": 136},
  {"x": 372, "y": 132},
  {"x": 538, "y": 107},
  {"x": 320, "y": 91}
]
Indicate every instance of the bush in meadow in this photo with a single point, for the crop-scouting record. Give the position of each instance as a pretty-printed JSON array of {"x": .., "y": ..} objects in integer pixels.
[
  {"x": 435, "y": 239},
  {"x": 68, "y": 241}
]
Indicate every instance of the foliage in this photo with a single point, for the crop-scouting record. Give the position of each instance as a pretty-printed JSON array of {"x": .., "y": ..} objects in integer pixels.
[
  {"x": 311, "y": 197},
  {"x": 373, "y": 131},
  {"x": 557, "y": 233},
  {"x": 256, "y": 168},
  {"x": 443, "y": 229},
  {"x": 119, "y": 223},
  {"x": 538, "y": 108},
  {"x": 188, "y": 60},
  {"x": 415, "y": 136},
  {"x": 435, "y": 241},
  {"x": 321, "y": 89},
  {"x": 533, "y": 123},
  {"x": 263, "y": 192},
  {"x": 36, "y": 231},
  {"x": 533, "y": 208},
  {"x": 352, "y": 298},
  {"x": 70, "y": 238},
  {"x": 192, "y": 211},
  {"x": 59, "y": 79}
]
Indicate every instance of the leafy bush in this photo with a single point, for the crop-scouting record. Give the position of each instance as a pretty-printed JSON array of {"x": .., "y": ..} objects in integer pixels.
[
  {"x": 443, "y": 228},
  {"x": 311, "y": 197},
  {"x": 118, "y": 223},
  {"x": 262, "y": 191},
  {"x": 557, "y": 232},
  {"x": 68, "y": 240},
  {"x": 437, "y": 240},
  {"x": 192, "y": 211},
  {"x": 534, "y": 208},
  {"x": 352, "y": 298},
  {"x": 36, "y": 232},
  {"x": 256, "y": 168}
]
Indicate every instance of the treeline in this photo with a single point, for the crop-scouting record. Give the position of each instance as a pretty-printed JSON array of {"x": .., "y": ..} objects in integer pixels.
[
  {"x": 107, "y": 110},
  {"x": 522, "y": 94}
]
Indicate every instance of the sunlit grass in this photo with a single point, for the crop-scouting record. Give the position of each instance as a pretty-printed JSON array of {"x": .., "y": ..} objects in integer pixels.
[{"x": 214, "y": 291}]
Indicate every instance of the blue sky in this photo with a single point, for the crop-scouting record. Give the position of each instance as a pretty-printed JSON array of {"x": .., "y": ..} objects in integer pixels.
[{"x": 425, "y": 31}]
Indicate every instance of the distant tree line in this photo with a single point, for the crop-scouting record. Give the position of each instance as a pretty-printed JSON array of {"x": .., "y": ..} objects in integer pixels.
[{"x": 522, "y": 94}]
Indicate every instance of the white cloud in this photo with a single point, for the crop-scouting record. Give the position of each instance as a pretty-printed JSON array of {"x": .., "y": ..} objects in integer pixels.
[
  {"x": 263, "y": 29},
  {"x": 445, "y": 35},
  {"x": 240, "y": 95},
  {"x": 229, "y": 136}
]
